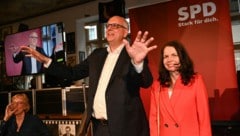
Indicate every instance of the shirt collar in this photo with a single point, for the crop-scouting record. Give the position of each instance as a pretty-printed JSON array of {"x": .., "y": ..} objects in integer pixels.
[{"x": 117, "y": 51}]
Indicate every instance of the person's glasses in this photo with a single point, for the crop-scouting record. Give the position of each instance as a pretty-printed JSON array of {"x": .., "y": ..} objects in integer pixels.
[
  {"x": 33, "y": 37},
  {"x": 115, "y": 26}
]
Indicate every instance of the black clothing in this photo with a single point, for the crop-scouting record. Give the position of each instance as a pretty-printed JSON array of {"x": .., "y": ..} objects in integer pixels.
[
  {"x": 125, "y": 111},
  {"x": 31, "y": 126}
]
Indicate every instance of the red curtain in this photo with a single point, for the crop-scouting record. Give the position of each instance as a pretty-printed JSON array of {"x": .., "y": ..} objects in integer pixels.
[{"x": 204, "y": 27}]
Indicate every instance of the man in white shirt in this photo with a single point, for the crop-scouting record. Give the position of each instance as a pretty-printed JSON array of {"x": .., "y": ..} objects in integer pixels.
[{"x": 116, "y": 74}]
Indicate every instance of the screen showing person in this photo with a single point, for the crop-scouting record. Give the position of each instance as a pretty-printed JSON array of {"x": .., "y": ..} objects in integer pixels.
[
  {"x": 48, "y": 40},
  {"x": 17, "y": 62}
]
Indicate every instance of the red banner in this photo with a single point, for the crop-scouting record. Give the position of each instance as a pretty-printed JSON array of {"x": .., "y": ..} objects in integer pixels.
[{"x": 204, "y": 27}]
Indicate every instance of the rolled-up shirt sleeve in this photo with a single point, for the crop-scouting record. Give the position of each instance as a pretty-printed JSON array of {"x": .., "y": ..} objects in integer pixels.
[{"x": 138, "y": 67}]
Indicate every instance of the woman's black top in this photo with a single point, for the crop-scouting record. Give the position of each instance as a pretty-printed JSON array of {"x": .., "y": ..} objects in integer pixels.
[{"x": 31, "y": 126}]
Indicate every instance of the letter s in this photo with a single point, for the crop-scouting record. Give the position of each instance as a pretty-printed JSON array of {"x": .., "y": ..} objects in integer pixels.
[{"x": 183, "y": 14}]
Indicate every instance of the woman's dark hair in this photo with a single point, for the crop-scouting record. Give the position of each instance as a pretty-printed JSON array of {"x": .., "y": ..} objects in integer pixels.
[{"x": 186, "y": 68}]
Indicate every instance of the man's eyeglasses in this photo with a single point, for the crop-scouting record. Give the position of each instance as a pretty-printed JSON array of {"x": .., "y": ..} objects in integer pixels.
[
  {"x": 115, "y": 26},
  {"x": 33, "y": 37}
]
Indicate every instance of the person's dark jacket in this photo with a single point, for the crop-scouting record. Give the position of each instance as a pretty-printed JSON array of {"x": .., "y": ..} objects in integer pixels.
[
  {"x": 125, "y": 111},
  {"x": 31, "y": 126}
]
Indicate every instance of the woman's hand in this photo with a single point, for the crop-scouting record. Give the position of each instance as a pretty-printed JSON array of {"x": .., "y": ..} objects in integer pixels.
[{"x": 9, "y": 111}]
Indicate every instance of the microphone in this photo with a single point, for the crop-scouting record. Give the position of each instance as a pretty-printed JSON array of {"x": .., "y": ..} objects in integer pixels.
[{"x": 177, "y": 65}]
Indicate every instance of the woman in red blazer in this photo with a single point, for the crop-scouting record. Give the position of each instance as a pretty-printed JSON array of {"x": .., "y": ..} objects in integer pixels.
[{"x": 179, "y": 100}]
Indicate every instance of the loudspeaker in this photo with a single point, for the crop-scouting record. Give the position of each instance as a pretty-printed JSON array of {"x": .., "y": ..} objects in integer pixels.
[
  {"x": 22, "y": 27},
  {"x": 109, "y": 9}
]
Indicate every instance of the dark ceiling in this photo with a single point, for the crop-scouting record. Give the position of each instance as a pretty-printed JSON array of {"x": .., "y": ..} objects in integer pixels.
[{"x": 17, "y": 10}]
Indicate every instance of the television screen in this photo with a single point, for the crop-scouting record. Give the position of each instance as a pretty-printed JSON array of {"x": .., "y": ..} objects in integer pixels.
[
  {"x": 49, "y": 101},
  {"x": 53, "y": 39},
  {"x": 75, "y": 101},
  {"x": 48, "y": 40}
]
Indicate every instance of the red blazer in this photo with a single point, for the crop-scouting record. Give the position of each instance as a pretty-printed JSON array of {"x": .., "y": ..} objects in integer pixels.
[{"x": 186, "y": 113}]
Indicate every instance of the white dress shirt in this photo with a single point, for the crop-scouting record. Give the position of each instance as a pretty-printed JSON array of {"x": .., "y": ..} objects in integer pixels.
[
  {"x": 99, "y": 105},
  {"x": 34, "y": 62}
]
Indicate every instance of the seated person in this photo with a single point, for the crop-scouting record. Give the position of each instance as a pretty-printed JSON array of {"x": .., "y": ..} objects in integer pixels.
[{"x": 17, "y": 121}]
